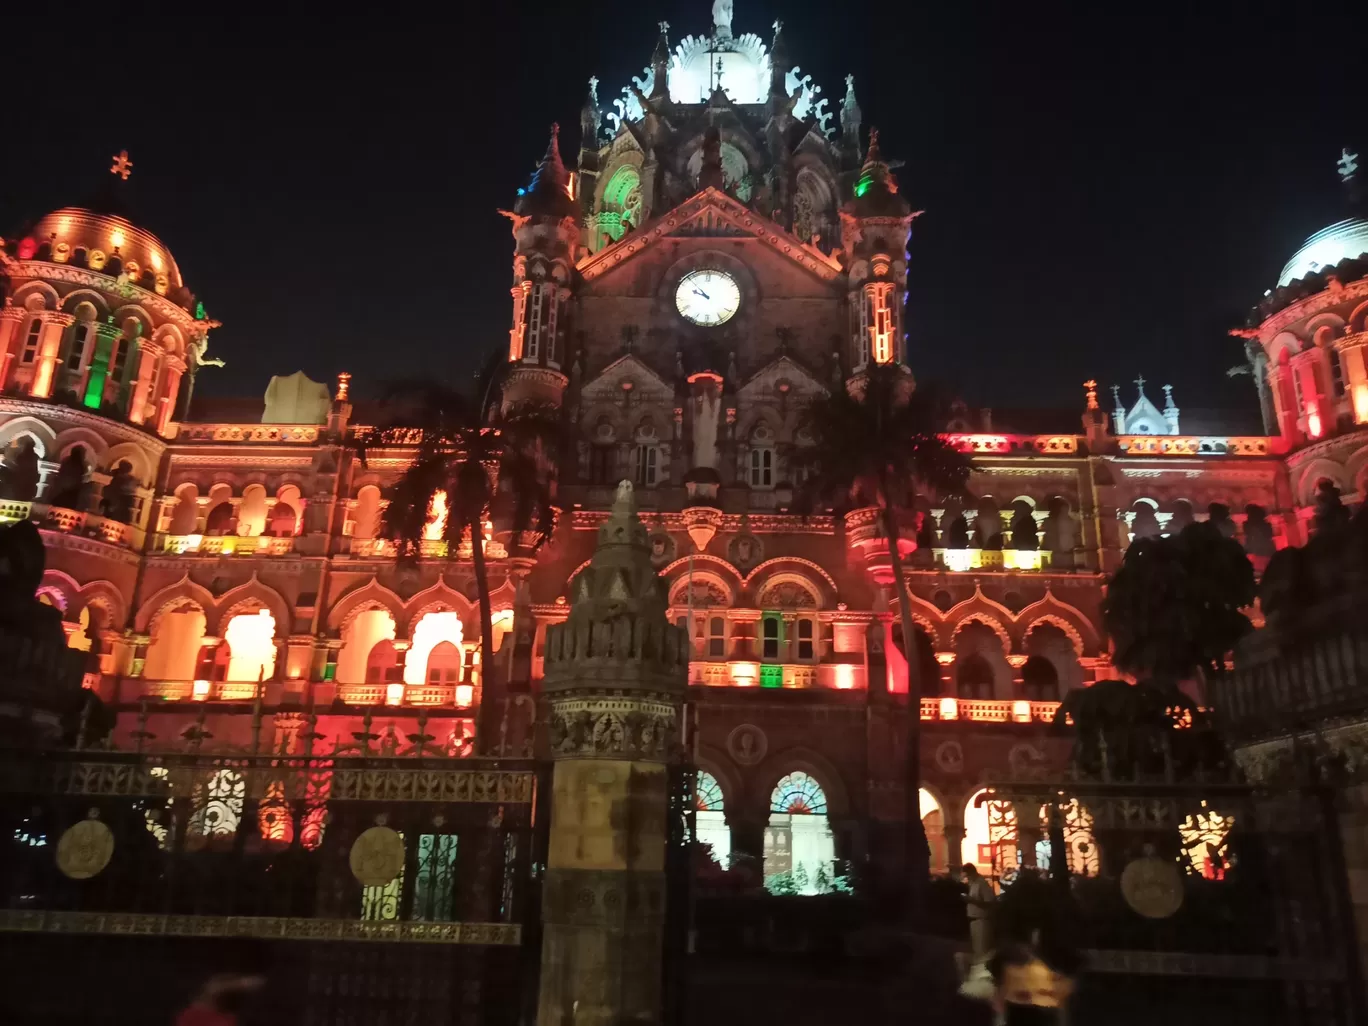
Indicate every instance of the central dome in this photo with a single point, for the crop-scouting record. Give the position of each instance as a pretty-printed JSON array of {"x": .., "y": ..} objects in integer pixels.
[{"x": 1343, "y": 241}]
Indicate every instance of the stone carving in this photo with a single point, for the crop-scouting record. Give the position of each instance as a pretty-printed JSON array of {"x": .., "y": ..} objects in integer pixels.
[
  {"x": 84, "y": 849},
  {"x": 662, "y": 549},
  {"x": 747, "y": 744},
  {"x": 950, "y": 757},
  {"x": 745, "y": 551}
]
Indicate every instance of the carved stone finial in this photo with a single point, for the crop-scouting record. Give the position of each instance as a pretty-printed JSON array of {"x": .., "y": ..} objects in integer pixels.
[
  {"x": 1091, "y": 386},
  {"x": 122, "y": 166}
]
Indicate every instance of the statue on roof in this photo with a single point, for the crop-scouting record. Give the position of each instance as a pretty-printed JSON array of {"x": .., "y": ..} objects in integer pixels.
[{"x": 722, "y": 18}]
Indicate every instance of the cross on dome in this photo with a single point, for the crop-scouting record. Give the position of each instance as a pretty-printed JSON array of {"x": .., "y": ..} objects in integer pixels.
[
  {"x": 122, "y": 166},
  {"x": 1347, "y": 164}
]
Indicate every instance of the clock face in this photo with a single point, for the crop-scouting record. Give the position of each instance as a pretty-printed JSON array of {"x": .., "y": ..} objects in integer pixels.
[{"x": 708, "y": 297}]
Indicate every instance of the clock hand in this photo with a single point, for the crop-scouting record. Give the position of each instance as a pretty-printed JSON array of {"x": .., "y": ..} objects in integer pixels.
[{"x": 702, "y": 293}]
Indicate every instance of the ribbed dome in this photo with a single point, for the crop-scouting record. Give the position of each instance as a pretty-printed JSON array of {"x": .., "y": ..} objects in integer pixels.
[
  {"x": 1343, "y": 241},
  {"x": 112, "y": 237}
]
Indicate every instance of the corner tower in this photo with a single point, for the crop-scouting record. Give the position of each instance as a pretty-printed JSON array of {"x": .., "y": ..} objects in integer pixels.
[{"x": 545, "y": 232}]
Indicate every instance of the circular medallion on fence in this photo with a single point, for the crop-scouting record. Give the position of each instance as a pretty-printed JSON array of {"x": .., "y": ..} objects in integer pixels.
[
  {"x": 1153, "y": 887},
  {"x": 84, "y": 849},
  {"x": 377, "y": 856}
]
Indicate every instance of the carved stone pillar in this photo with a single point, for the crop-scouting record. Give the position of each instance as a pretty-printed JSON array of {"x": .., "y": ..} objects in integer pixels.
[
  {"x": 142, "y": 384},
  {"x": 48, "y": 343},
  {"x": 10, "y": 316},
  {"x": 166, "y": 405},
  {"x": 615, "y": 677}
]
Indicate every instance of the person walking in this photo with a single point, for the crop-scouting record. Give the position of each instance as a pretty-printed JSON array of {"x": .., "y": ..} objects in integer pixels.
[{"x": 979, "y": 903}]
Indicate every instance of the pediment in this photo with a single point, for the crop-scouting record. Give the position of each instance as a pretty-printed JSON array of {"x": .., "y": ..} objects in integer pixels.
[
  {"x": 764, "y": 384},
  {"x": 647, "y": 385},
  {"x": 1145, "y": 412},
  {"x": 711, "y": 214}
]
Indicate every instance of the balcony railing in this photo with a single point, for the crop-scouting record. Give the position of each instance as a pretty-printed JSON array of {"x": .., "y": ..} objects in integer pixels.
[
  {"x": 959, "y": 560},
  {"x": 225, "y": 545},
  {"x": 975, "y": 710},
  {"x": 463, "y": 695},
  {"x": 72, "y": 521}
]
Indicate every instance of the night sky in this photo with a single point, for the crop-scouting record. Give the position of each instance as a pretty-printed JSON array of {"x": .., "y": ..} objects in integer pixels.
[{"x": 1103, "y": 195}]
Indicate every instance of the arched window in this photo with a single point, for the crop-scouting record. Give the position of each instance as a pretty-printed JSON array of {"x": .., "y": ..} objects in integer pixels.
[
  {"x": 799, "y": 851},
  {"x": 366, "y": 519},
  {"x": 220, "y": 520},
  {"x": 252, "y": 639},
  {"x": 444, "y": 664},
  {"x": 1336, "y": 373},
  {"x": 711, "y": 821},
  {"x": 762, "y": 457},
  {"x": 382, "y": 663},
  {"x": 647, "y": 464},
  {"x": 806, "y": 647},
  {"x": 175, "y": 648},
  {"x": 31, "y": 338},
  {"x": 990, "y": 832},
  {"x": 252, "y": 511},
  {"x": 1040, "y": 679},
  {"x": 118, "y": 360},
  {"x": 218, "y": 804},
  {"x": 185, "y": 517},
  {"x": 717, "y": 637},
  {"x": 771, "y": 632},
  {"x": 974, "y": 677},
  {"x": 933, "y": 822},
  {"x": 433, "y": 630},
  {"x": 282, "y": 521}
]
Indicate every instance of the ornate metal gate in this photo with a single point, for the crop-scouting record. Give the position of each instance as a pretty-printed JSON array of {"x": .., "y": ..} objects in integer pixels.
[
  {"x": 1199, "y": 903},
  {"x": 367, "y": 890}
]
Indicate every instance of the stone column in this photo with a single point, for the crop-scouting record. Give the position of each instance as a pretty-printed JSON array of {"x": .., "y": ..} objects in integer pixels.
[
  {"x": 167, "y": 403},
  {"x": 615, "y": 678},
  {"x": 10, "y": 316},
  {"x": 48, "y": 343},
  {"x": 142, "y": 384}
]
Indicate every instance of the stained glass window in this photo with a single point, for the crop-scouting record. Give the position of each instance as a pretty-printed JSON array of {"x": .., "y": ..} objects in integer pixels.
[
  {"x": 218, "y": 806},
  {"x": 432, "y": 895},
  {"x": 707, "y": 793},
  {"x": 798, "y": 793}
]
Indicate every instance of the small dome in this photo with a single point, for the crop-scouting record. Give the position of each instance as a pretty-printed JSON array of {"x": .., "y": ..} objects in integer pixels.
[
  {"x": 1343, "y": 241},
  {"x": 109, "y": 243}
]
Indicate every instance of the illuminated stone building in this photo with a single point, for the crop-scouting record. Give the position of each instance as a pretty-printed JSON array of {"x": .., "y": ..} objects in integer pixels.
[{"x": 729, "y": 244}]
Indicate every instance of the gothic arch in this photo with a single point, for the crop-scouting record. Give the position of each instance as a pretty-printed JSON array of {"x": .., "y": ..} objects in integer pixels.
[
  {"x": 1312, "y": 474},
  {"x": 184, "y": 591},
  {"x": 44, "y": 437},
  {"x": 440, "y": 597},
  {"x": 74, "y": 300},
  {"x": 137, "y": 460},
  {"x": 371, "y": 595},
  {"x": 805, "y": 760},
  {"x": 807, "y": 564},
  {"x": 993, "y": 615},
  {"x": 1358, "y": 319},
  {"x": 801, "y": 581},
  {"x": 725, "y": 570},
  {"x": 1064, "y": 616},
  {"x": 40, "y": 290},
  {"x": 714, "y": 761},
  {"x": 71, "y": 437},
  {"x": 253, "y": 594},
  {"x": 706, "y": 577},
  {"x": 102, "y": 593},
  {"x": 64, "y": 587}
]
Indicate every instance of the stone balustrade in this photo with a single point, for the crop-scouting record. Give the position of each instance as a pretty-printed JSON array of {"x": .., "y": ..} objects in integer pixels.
[
  {"x": 1014, "y": 445},
  {"x": 225, "y": 545},
  {"x": 1197, "y": 445},
  {"x": 72, "y": 521},
  {"x": 974, "y": 710},
  {"x": 252, "y": 434},
  {"x": 960, "y": 560}
]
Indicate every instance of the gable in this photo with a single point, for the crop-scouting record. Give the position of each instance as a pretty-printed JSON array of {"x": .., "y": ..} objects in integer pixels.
[
  {"x": 1145, "y": 414},
  {"x": 647, "y": 385},
  {"x": 711, "y": 214},
  {"x": 763, "y": 386}
]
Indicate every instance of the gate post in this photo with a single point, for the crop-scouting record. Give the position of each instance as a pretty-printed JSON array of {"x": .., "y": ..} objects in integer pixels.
[{"x": 615, "y": 677}]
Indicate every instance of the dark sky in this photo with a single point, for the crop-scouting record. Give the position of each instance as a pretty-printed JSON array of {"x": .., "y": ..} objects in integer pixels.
[{"x": 1103, "y": 193}]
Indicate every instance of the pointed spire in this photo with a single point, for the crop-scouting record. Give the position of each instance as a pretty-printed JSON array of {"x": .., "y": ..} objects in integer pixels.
[
  {"x": 549, "y": 191},
  {"x": 876, "y": 190},
  {"x": 710, "y": 174},
  {"x": 660, "y": 65},
  {"x": 591, "y": 118},
  {"x": 851, "y": 115},
  {"x": 778, "y": 64}
]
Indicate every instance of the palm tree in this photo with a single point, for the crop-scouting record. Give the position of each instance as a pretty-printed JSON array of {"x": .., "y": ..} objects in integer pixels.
[
  {"x": 879, "y": 444},
  {"x": 483, "y": 462}
]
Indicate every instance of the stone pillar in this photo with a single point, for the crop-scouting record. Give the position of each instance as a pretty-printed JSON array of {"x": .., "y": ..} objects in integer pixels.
[
  {"x": 167, "y": 403},
  {"x": 142, "y": 386},
  {"x": 10, "y": 316},
  {"x": 48, "y": 343},
  {"x": 615, "y": 678}
]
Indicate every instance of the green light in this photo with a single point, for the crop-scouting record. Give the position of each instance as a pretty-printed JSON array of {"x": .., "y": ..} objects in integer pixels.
[
  {"x": 771, "y": 676},
  {"x": 862, "y": 186}
]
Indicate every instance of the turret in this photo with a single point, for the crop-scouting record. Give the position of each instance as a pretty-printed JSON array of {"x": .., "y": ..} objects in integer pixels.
[
  {"x": 546, "y": 232},
  {"x": 660, "y": 66},
  {"x": 876, "y": 224},
  {"x": 591, "y": 122}
]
